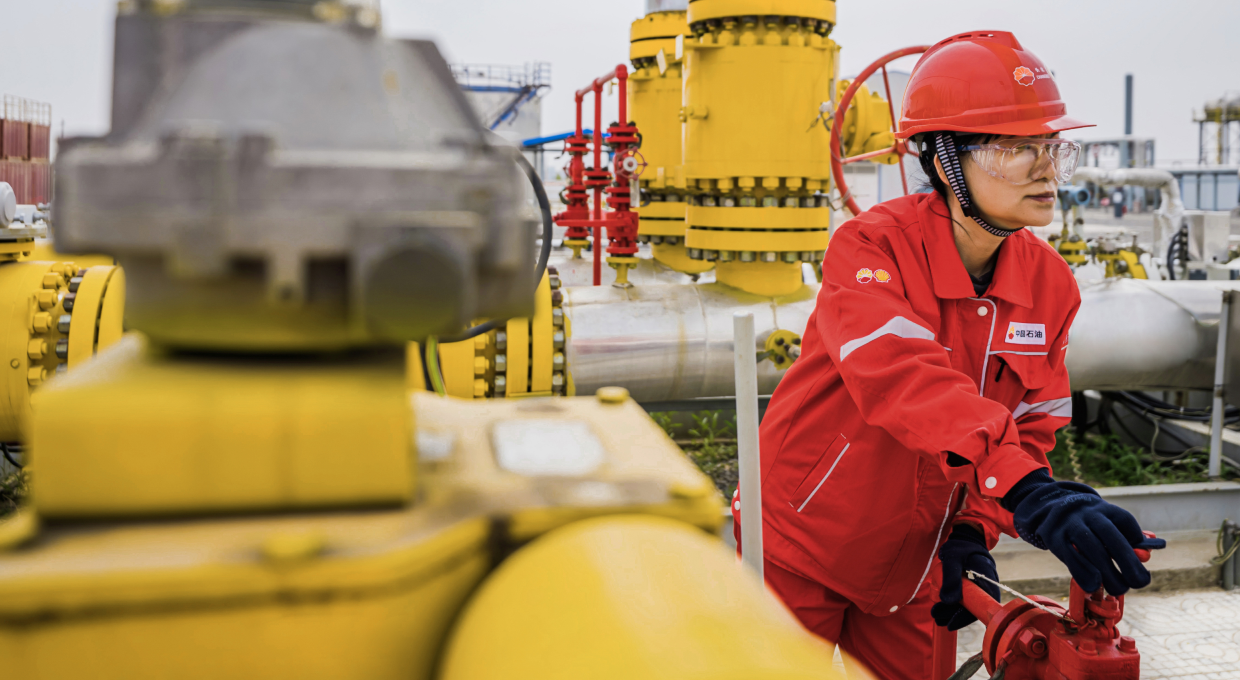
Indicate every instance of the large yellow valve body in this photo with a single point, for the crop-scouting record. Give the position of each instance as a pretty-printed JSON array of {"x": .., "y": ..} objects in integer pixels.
[
  {"x": 655, "y": 101},
  {"x": 757, "y": 74}
]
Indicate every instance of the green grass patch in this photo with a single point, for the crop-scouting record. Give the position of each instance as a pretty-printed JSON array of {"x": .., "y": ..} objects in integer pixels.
[
  {"x": 710, "y": 442},
  {"x": 1103, "y": 460}
]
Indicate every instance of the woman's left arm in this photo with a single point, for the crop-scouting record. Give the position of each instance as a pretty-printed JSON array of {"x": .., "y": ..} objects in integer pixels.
[{"x": 1040, "y": 414}]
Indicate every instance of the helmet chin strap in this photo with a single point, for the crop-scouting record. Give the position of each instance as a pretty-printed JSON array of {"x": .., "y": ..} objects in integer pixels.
[{"x": 949, "y": 156}]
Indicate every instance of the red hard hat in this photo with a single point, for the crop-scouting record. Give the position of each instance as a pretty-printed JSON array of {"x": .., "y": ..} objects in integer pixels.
[{"x": 983, "y": 82}]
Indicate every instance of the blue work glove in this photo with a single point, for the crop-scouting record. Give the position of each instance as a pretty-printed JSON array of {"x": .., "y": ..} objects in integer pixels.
[
  {"x": 1089, "y": 535},
  {"x": 965, "y": 550}
]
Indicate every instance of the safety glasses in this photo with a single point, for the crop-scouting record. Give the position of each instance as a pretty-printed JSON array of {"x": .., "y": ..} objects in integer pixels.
[{"x": 1021, "y": 160}]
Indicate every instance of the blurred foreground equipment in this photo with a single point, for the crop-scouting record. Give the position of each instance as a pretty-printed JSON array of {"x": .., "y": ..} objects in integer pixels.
[
  {"x": 56, "y": 314},
  {"x": 247, "y": 489}
]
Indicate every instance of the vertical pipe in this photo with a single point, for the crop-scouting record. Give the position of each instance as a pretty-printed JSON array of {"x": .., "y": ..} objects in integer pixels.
[
  {"x": 622, "y": 74},
  {"x": 750, "y": 468},
  {"x": 597, "y": 246},
  {"x": 1128, "y": 104},
  {"x": 1220, "y": 361},
  {"x": 580, "y": 101}
]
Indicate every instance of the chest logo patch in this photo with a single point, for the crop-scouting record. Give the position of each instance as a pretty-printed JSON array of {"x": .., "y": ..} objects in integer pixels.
[
  {"x": 1026, "y": 333},
  {"x": 881, "y": 275}
]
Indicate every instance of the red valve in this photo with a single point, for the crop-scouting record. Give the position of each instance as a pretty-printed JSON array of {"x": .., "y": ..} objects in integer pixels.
[
  {"x": 1040, "y": 639},
  {"x": 580, "y": 218}
]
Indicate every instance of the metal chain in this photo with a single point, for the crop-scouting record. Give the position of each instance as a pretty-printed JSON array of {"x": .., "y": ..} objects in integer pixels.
[
  {"x": 968, "y": 669},
  {"x": 1077, "y": 475},
  {"x": 1225, "y": 555}
]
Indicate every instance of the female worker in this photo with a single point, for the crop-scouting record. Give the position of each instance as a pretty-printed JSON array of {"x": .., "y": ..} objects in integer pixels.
[{"x": 916, "y": 422}]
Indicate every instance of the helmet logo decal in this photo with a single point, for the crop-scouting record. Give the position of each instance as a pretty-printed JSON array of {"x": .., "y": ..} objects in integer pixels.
[{"x": 1024, "y": 76}]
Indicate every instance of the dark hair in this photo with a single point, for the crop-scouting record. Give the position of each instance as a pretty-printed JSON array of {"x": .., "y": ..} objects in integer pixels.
[{"x": 925, "y": 143}]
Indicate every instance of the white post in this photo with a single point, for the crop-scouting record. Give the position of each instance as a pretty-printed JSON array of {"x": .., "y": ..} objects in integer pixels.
[
  {"x": 1220, "y": 378},
  {"x": 747, "y": 439}
]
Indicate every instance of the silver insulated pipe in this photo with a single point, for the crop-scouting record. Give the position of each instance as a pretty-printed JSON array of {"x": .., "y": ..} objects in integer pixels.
[{"x": 674, "y": 342}]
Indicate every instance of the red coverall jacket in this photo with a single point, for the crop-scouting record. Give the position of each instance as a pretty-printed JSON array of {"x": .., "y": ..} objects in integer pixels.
[{"x": 901, "y": 365}]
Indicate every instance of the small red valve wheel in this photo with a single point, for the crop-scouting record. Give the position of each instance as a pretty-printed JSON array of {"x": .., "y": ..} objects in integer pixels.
[
  {"x": 632, "y": 163},
  {"x": 900, "y": 148}
]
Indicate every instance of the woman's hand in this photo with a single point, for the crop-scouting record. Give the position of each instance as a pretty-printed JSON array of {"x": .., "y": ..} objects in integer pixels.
[
  {"x": 1095, "y": 539},
  {"x": 965, "y": 550}
]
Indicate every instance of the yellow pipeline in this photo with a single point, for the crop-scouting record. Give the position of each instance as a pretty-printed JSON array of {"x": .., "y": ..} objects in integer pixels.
[{"x": 650, "y": 598}]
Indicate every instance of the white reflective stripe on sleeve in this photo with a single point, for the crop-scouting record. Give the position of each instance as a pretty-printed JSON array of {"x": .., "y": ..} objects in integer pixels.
[
  {"x": 899, "y": 327},
  {"x": 1055, "y": 408}
]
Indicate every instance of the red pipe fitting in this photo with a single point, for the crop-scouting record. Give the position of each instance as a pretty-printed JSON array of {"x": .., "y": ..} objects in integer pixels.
[
  {"x": 618, "y": 184},
  {"x": 1047, "y": 642}
]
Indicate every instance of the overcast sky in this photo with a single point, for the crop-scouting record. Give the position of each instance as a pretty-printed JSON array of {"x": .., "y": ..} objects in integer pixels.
[{"x": 1182, "y": 53}]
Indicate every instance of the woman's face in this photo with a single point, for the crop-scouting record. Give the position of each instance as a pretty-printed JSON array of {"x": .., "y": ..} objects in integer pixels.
[{"x": 1009, "y": 206}]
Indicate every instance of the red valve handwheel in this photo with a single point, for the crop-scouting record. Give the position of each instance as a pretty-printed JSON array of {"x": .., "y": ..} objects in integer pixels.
[
  {"x": 901, "y": 146},
  {"x": 632, "y": 163}
]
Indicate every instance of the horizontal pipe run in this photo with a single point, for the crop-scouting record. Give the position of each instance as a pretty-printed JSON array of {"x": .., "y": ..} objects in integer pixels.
[{"x": 672, "y": 342}]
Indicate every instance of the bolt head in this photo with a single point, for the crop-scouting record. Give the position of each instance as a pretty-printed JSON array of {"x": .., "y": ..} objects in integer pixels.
[
  {"x": 47, "y": 299},
  {"x": 612, "y": 395}
]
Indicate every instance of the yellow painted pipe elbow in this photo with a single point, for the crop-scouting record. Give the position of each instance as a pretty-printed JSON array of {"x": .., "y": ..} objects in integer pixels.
[{"x": 629, "y": 597}]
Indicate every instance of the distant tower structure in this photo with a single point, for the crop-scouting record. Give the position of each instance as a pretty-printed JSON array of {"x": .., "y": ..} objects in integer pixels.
[
  {"x": 508, "y": 99},
  {"x": 1218, "y": 131}
]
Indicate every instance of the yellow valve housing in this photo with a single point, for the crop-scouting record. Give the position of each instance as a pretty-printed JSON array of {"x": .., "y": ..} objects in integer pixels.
[
  {"x": 655, "y": 101},
  {"x": 867, "y": 125},
  {"x": 655, "y": 98},
  {"x": 56, "y": 316},
  {"x": 758, "y": 77},
  {"x": 650, "y": 598}
]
